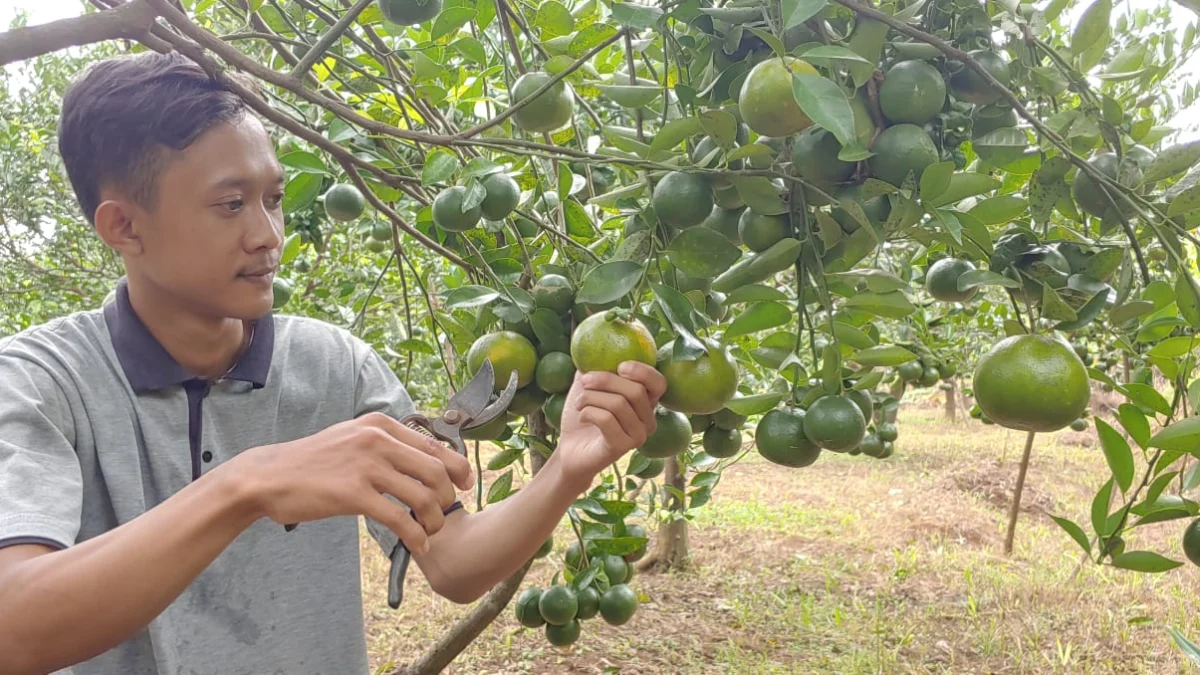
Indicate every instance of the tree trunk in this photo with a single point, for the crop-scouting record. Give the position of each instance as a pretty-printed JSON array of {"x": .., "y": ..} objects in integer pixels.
[
  {"x": 673, "y": 535},
  {"x": 951, "y": 401}
]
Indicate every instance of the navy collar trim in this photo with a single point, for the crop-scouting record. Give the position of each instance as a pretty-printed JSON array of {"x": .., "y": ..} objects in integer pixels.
[{"x": 148, "y": 366}]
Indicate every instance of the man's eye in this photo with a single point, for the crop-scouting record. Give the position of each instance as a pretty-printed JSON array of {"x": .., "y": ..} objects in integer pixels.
[
  {"x": 275, "y": 200},
  {"x": 234, "y": 205}
]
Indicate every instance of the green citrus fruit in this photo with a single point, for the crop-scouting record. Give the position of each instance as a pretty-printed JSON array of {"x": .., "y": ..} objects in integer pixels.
[
  {"x": 618, "y": 604},
  {"x": 871, "y": 446},
  {"x": 502, "y": 195},
  {"x": 1091, "y": 197},
  {"x": 558, "y": 605},
  {"x": 941, "y": 281},
  {"x": 701, "y": 385},
  {"x": 835, "y": 423},
  {"x": 526, "y": 227},
  {"x": 780, "y": 438},
  {"x": 888, "y": 449},
  {"x": 554, "y": 292},
  {"x": 700, "y": 423},
  {"x": 527, "y": 400},
  {"x": 381, "y": 232},
  {"x": 1191, "y": 542},
  {"x": 728, "y": 198},
  {"x": 488, "y": 432},
  {"x": 863, "y": 400},
  {"x": 1031, "y": 383},
  {"x": 409, "y": 12},
  {"x": 653, "y": 468},
  {"x": 766, "y": 101},
  {"x": 565, "y": 635},
  {"x": 901, "y": 149},
  {"x": 722, "y": 443},
  {"x": 553, "y": 409},
  {"x": 815, "y": 157},
  {"x": 970, "y": 86},
  {"x": 508, "y": 352},
  {"x": 987, "y": 119},
  {"x": 913, "y": 92},
  {"x": 550, "y": 111},
  {"x": 589, "y": 603},
  {"x": 727, "y": 419},
  {"x": 616, "y": 569},
  {"x": 888, "y": 432},
  {"x": 554, "y": 373},
  {"x": 573, "y": 557},
  {"x": 604, "y": 341},
  {"x": 526, "y": 608},
  {"x": 682, "y": 199},
  {"x": 714, "y": 306},
  {"x": 448, "y": 211},
  {"x": 1079, "y": 425},
  {"x": 281, "y": 292},
  {"x": 947, "y": 370},
  {"x": 929, "y": 377},
  {"x": 344, "y": 202},
  {"x": 671, "y": 436},
  {"x": 876, "y": 209},
  {"x": 726, "y": 222},
  {"x": 910, "y": 371},
  {"x": 760, "y": 232},
  {"x": 638, "y": 531}
]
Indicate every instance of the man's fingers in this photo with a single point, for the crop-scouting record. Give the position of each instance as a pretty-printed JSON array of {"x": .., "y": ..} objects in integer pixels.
[
  {"x": 632, "y": 424},
  {"x": 610, "y": 428},
  {"x": 421, "y": 457},
  {"x": 651, "y": 379},
  {"x": 397, "y": 519},
  {"x": 633, "y": 391},
  {"x": 456, "y": 465},
  {"x": 424, "y": 503}
]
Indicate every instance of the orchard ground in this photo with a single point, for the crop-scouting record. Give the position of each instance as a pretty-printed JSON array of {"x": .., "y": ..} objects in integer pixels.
[{"x": 857, "y": 565}]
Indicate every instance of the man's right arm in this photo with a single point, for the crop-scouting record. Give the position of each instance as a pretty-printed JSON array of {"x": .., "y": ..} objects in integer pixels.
[{"x": 60, "y": 607}]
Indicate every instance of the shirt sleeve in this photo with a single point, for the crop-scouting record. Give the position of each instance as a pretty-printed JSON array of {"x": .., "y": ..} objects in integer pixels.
[{"x": 41, "y": 485}]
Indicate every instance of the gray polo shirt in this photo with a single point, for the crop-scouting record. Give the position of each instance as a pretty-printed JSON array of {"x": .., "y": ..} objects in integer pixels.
[{"x": 98, "y": 424}]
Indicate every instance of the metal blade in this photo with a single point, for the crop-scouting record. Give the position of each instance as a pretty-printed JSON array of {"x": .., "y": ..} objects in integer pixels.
[
  {"x": 473, "y": 397},
  {"x": 497, "y": 407}
]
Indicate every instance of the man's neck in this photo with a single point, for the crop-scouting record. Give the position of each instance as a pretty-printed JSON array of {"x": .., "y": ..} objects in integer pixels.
[{"x": 205, "y": 346}]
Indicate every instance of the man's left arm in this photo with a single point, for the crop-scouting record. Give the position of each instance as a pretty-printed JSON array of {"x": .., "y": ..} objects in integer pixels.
[{"x": 605, "y": 416}]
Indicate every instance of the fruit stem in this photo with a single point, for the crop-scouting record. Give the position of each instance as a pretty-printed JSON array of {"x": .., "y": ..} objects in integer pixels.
[{"x": 1016, "y": 502}]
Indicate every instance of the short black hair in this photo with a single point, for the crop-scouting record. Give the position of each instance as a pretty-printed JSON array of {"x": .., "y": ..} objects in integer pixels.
[{"x": 123, "y": 114}]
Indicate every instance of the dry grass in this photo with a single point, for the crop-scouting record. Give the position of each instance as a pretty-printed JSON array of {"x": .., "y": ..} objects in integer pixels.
[{"x": 856, "y": 565}]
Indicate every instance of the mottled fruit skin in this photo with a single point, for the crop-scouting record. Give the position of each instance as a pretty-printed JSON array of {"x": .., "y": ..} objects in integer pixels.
[
  {"x": 942, "y": 280},
  {"x": 764, "y": 102},
  {"x": 600, "y": 344},
  {"x": 699, "y": 386},
  {"x": 550, "y": 111},
  {"x": 913, "y": 92},
  {"x": 1031, "y": 383},
  {"x": 902, "y": 148}
]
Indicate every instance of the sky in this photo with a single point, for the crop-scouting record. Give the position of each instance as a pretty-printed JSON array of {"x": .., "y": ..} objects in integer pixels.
[{"x": 1187, "y": 121}]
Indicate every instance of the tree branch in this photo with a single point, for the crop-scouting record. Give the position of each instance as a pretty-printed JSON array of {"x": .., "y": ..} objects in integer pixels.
[
  {"x": 131, "y": 21},
  {"x": 330, "y": 36}
]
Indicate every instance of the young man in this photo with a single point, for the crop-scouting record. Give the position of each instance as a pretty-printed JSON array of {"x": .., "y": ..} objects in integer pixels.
[{"x": 152, "y": 451}]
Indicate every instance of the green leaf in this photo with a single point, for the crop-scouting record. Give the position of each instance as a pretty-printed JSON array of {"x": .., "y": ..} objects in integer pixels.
[
  {"x": 471, "y": 49},
  {"x": 1135, "y": 423},
  {"x": 300, "y": 191},
  {"x": 894, "y": 305},
  {"x": 879, "y": 281},
  {"x": 760, "y": 194},
  {"x": 702, "y": 253},
  {"x": 1163, "y": 515},
  {"x": 1091, "y": 26},
  {"x": 678, "y": 310},
  {"x": 951, "y": 223},
  {"x": 414, "y": 345},
  {"x": 675, "y": 132},
  {"x": 579, "y": 225},
  {"x": 1002, "y": 209},
  {"x": 1100, "y": 509},
  {"x": 474, "y": 196},
  {"x": 1086, "y": 314},
  {"x": 1187, "y": 302},
  {"x": 721, "y": 126},
  {"x": 1076, "y": 533},
  {"x": 609, "y": 200},
  {"x": 883, "y": 355},
  {"x": 609, "y": 281},
  {"x": 304, "y": 161},
  {"x": 1146, "y": 395},
  {"x": 848, "y": 335},
  {"x": 1128, "y": 311},
  {"x": 439, "y": 165},
  {"x": 554, "y": 20},
  {"x": 506, "y": 457},
  {"x": 796, "y": 12},
  {"x": 828, "y": 230},
  {"x": 548, "y": 328},
  {"x": 1185, "y": 202},
  {"x": 618, "y": 545},
  {"x": 635, "y": 16},
  {"x": 465, "y": 297},
  {"x": 291, "y": 248},
  {"x": 1188, "y": 648},
  {"x": 758, "y": 317},
  {"x": 961, "y": 186},
  {"x": 500, "y": 488},
  {"x": 1181, "y": 436},
  {"x": 754, "y": 293},
  {"x": 754, "y": 405},
  {"x": 591, "y": 37},
  {"x": 1173, "y": 347},
  {"x": 1144, "y": 561},
  {"x": 1172, "y": 161},
  {"x": 827, "y": 53},
  {"x": 825, "y": 104},
  {"x": 1053, "y": 306},
  {"x": 1118, "y": 454},
  {"x": 773, "y": 42},
  {"x": 449, "y": 21},
  {"x": 935, "y": 180},
  {"x": 480, "y": 167}
]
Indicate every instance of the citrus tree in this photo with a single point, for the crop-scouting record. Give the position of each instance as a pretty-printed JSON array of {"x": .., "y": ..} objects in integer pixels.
[{"x": 796, "y": 210}]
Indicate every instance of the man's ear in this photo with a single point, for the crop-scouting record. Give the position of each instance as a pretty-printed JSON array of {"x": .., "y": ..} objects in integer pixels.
[{"x": 115, "y": 224}]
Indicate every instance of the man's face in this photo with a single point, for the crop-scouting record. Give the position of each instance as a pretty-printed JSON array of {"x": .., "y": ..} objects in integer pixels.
[{"x": 213, "y": 238}]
